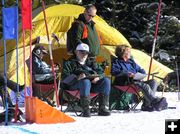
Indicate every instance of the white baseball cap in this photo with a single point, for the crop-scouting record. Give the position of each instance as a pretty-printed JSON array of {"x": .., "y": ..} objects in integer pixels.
[{"x": 82, "y": 47}]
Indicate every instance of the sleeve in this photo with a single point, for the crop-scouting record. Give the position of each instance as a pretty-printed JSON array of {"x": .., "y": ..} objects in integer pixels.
[
  {"x": 139, "y": 69},
  {"x": 78, "y": 31},
  {"x": 117, "y": 70},
  {"x": 39, "y": 67},
  {"x": 100, "y": 71},
  {"x": 66, "y": 70}
]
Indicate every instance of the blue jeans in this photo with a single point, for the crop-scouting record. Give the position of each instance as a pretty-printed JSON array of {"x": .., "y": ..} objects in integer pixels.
[
  {"x": 148, "y": 89},
  {"x": 85, "y": 86}
]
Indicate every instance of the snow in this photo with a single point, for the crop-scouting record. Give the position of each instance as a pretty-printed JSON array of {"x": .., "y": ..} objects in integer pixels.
[{"x": 118, "y": 123}]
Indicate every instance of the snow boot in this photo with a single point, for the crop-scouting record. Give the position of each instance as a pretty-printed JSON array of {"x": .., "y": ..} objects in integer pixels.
[
  {"x": 160, "y": 104},
  {"x": 85, "y": 101},
  {"x": 147, "y": 106},
  {"x": 103, "y": 102}
]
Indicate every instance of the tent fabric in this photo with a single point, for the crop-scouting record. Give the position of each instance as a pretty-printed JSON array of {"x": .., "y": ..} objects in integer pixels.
[{"x": 59, "y": 19}]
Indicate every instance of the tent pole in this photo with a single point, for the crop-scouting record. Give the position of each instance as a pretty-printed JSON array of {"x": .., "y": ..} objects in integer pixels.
[
  {"x": 177, "y": 79},
  {"x": 155, "y": 37},
  {"x": 17, "y": 65},
  {"x": 5, "y": 73}
]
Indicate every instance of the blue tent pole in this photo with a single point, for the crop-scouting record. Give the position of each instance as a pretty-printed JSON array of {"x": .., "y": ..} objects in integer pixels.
[
  {"x": 5, "y": 74},
  {"x": 17, "y": 64}
]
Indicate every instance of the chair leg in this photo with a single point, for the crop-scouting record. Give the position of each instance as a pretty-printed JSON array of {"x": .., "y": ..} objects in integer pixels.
[
  {"x": 125, "y": 103},
  {"x": 136, "y": 104},
  {"x": 61, "y": 92},
  {"x": 71, "y": 103}
]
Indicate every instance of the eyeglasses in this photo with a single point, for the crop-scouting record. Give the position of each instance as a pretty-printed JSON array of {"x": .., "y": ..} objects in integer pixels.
[{"x": 83, "y": 52}]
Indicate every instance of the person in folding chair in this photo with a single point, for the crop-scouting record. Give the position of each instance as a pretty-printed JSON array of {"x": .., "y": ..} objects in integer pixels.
[
  {"x": 124, "y": 68},
  {"x": 40, "y": 68},
  {"x": 42, "y": 74},
  {"x": 89, "y": 78}
]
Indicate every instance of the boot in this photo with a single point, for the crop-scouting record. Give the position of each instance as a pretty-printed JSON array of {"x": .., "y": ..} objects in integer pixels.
[
  {"x": 13, "y": 86},
  {"x": 147, "y": 107},
  {"x": 160, "y": 104},
  {"x": 103, "y": 102},
  {"x": 85, "y": 101}
]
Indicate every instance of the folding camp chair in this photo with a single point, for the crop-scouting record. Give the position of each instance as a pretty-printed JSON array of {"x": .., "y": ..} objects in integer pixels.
[
  {"x": 44, "y": 92},
  {"x": 133, "y": 89},
  {"x": 72, "y": 98}
]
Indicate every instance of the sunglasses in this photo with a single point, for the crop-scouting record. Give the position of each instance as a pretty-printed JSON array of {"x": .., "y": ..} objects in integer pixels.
[{"x": 90, "y": 15}]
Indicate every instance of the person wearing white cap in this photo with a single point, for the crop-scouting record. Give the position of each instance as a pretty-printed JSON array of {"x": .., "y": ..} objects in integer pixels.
[{"x": 90, "y": 77}]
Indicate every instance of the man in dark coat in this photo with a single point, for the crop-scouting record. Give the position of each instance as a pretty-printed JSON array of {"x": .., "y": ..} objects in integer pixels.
[{"x": 89, "y": 78}]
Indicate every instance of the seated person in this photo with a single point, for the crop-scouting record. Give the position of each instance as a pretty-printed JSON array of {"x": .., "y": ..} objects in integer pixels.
[
  {"x": 79, "y": 66},
  {"x": 11, "y": 85},
  {"x": 40, "y": 68},
  {"x": 124, "y": 69}
]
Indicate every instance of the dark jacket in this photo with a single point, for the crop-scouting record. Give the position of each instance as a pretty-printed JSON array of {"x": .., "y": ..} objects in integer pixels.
[
  {"x": 39, "y": 66},
  {"x": 92, "y": 39},
  {"x": 72, "y": 66},
  {"x": 120, "y": 69}
]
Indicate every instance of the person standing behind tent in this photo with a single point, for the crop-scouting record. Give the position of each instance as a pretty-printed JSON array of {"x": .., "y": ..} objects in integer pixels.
[
  {"x": 88, "y": 77},
  {"x": 41, "y": 71},
  {"x": 84, "y": 31},
  {"x": 124, "y": 69}
]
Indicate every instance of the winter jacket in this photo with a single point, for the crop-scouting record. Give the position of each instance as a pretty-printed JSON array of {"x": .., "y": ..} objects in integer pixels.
[
  {"x": 92, "y": 39},
  {"x": 39, "y": 66},
  {"x": 120, "y": 69},
  {"x": 72, "y": 66}
]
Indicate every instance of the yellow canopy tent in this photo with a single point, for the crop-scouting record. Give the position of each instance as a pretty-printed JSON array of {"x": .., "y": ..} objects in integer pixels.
[{"x": 59, "y": 19}]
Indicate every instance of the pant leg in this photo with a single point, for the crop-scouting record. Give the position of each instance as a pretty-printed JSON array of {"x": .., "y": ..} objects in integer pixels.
[
  {"x": 102, "y": 86},
  {"x": 84, "y": 86},
  {"x": 153, "y": 84},
  {"x": 149, "y": 95}
]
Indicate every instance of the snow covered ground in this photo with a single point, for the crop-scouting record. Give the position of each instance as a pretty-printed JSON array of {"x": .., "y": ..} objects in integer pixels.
[{"x": 117, "y": 123}]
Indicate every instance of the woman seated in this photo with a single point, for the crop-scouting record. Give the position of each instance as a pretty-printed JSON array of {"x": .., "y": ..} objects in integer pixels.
[{"x": 124, "y": 69}]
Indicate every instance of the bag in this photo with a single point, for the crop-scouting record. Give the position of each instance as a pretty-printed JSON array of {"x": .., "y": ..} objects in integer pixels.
[{"x": 70, "y": 44}]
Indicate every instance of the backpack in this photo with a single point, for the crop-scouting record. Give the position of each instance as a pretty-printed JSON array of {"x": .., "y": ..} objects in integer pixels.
[{"x": 71, "y": 32}]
